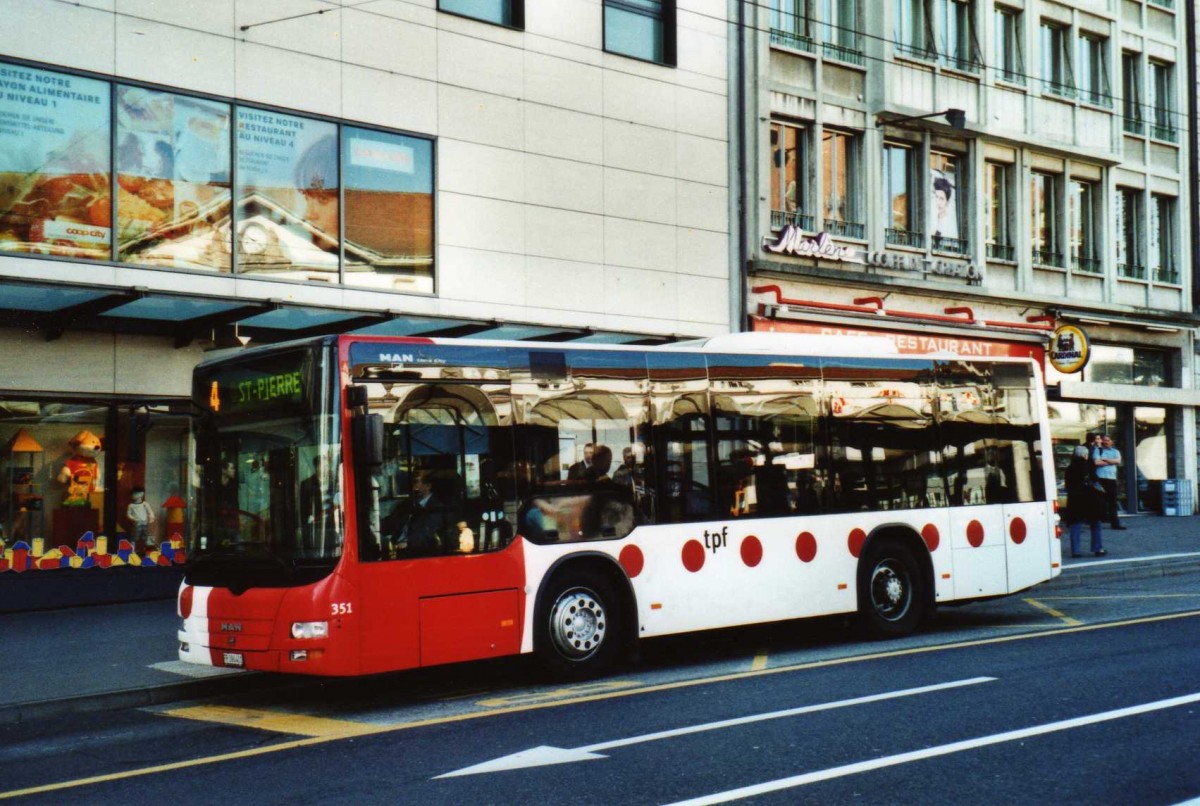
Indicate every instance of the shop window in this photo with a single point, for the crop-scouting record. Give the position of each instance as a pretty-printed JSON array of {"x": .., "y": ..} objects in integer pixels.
[
  {"x": 389, "y": 210},
  {"x": 1085, "y": 234},
  {"x": 946, "y": 211},
  {"x": 55, "y": 164},
  {"x": 1007, "y": 30},
  {"x": 840, "y": 172},
  {"x": 173, "y": 172},
  {"x": 643, "y": 29},
  {"x": 1043, "y": 210},
  {"x": 789, "y": 170},
  {"x": 501, "y": 12},
  {"x": 84, "y": 485},
  {"x": 1127, "y": 365},
  {"x": 900, "y": 195}
]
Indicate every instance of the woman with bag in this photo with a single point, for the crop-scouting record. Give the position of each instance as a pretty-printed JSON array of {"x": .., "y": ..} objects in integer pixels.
[{"x": 1085, "y": 502}]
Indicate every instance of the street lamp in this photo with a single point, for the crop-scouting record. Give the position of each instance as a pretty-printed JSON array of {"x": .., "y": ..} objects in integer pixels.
[{"x": 957, "y": 118}]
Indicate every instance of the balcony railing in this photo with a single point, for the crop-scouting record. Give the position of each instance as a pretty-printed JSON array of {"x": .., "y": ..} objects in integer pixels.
[
  {"x": 1012, "y": 76},
  {"x": 1001, "y": 251},
  {"x": 1045, "y": 257},
  {"x": 1135, "y": 126},
  {"x": 965, "y": 64},
  {"x": 1056, "y": 89},
  {"x": 955, "y": 246},
  {"x": 843, "y": 53},
  {"x": 793, "y": 41},
  {"x": 1132, "y": 271},
  {"x": 1163, "y": 4},
  {"x": 1166, "y": 274},
  {"x": 782, "y": 218},
  {"x": 1086, "y": 265},
  {"x": 844, "y": 229},
  {"x": 904, "y": 237},
  {"x": 1166, "y": 133},
  {"x": 914, "y": 51},
  {"x": 1096, "y": 98}
]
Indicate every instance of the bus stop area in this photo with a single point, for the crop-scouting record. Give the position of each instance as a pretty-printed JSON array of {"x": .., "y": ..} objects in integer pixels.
[{"x": 124, "y": 655}]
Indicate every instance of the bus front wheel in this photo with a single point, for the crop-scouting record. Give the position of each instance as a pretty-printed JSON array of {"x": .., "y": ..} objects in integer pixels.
[
  {"x": 579, "y": 626},
  {"x": 891, "y": 590}
]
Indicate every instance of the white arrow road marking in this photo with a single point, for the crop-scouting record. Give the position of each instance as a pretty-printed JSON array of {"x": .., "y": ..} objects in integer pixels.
[
  {"x": 541, "y": 756},
  {"x": 932, "y": 752}
]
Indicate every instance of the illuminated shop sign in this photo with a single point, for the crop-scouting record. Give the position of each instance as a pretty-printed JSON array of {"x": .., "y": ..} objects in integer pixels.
[
  {"x": 1069, "y": 349},
  {"x": 792, "y": 241}
]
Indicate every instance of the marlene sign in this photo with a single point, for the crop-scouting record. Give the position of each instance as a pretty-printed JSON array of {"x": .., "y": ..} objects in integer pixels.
[
  {"x": 1068, "y": 351},
  {"x": 792, "y": 241}
]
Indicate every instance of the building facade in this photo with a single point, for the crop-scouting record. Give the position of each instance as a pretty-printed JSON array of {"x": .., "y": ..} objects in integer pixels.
[
  {"x": 968, "y": 175},
  {"x": 176, "y": 177}
]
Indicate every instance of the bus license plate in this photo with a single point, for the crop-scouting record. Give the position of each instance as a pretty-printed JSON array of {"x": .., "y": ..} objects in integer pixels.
[{"x": 234, "y": 659}]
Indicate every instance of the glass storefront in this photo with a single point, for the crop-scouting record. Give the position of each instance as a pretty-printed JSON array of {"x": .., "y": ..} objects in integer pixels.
[{"x": 92, "y": 484}]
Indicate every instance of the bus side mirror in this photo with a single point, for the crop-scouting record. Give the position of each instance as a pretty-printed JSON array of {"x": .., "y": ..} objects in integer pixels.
[{"x": 367, "y": 436}]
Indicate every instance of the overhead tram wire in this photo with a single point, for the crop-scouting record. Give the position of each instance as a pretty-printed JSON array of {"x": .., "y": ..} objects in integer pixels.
[{"x": 915, "y": 65}]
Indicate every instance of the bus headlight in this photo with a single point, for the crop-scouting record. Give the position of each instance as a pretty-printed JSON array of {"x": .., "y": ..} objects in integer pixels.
[{"x": 310, "y": 629}]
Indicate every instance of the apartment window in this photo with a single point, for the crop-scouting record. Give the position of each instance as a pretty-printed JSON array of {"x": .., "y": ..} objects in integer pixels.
[
  {"x": 999, "y": 211},
  {"x": 1130, "y": 262},
  {"x": 955, "y": 29},
  {"x": 945, "y": 211},
  {"x": 909, "y": 28},
  {"x": 1162, "y": 239},
  {"x": 840, "y": 32},
  {"x": 900, "y": 193},
  {"x": 1057, "y": 76},
  {"x": 643, "y": 29},
  {"x": 1085, "y": 237},
  {"x": 1006, "y": 29},
  {"x": 1043, "y": 211},
  {"x": 1162, "y": 101},
  {"x": 1091, "y": 55},
  {"x": 839, "y": 170},
  {"x": 789, "y": 167},
  {"x": 501, "y": 12},
  {"x": 1131, "y": 93},
  {"x": 791, "y": 24}
]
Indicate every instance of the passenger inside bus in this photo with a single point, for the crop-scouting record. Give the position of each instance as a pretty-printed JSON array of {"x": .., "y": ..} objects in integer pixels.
[{"x": 430, "y": 523}]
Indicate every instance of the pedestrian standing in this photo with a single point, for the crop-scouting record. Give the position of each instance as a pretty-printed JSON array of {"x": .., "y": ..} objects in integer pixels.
[
  {"x": 1084, "y": 502},
  {"x": 1107, "y": 459}
]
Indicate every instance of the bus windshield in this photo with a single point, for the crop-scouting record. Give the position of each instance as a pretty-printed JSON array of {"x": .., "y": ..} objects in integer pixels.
[{"x": 268, "y": 470}]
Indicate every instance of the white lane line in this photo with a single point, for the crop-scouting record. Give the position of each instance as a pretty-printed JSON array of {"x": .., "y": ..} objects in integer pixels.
[
  {"x": 541, "y": 756},
  {"x": 933, "y": 752}
]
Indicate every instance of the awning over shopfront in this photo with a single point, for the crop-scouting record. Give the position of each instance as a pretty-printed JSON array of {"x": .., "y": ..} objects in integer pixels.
[{"x": 56, "y": 308}]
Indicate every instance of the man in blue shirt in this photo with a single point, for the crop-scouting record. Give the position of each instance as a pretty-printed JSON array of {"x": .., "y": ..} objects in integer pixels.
[{"x": 1107, "y": 459}]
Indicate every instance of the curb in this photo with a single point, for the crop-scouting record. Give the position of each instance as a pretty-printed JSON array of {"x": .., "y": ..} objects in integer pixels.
[
  {"x": 1085, "y": 576},
  {"x": 18, "y": 713}
]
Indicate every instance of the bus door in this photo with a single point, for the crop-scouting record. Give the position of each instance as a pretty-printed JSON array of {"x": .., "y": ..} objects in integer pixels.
[
  {"x": 438, "y": 572},
  {"x": 1020, "y": 483},
  {"x": 968, "y": 424}
]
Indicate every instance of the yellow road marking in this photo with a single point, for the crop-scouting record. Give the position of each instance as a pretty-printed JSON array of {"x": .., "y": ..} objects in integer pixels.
[
  {"x": 680, "y": 684},
  {"x": 583, "y": 689},
  {"x": 296, "y": 724},
  {"x": 1046, "y": 608},
  {"x": 760, "y": 662},
  {"x": 1121, "y": 596}
]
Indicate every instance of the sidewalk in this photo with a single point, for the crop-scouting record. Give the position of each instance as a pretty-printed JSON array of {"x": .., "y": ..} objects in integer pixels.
[{"x": 121, "y": 656}]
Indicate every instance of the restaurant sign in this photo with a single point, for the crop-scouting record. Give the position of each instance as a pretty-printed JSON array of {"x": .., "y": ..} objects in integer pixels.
[{"x": 792, "y": 241}]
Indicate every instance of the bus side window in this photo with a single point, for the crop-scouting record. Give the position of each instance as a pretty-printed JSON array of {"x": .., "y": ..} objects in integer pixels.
[{"x": 680, "y": 471}]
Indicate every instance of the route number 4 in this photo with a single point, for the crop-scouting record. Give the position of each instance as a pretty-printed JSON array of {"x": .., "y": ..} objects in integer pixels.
[{"x": 340, "y": 609}]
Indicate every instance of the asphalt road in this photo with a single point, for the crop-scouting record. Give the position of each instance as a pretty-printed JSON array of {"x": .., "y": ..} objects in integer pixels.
[{"x": 1088, "y": 696}]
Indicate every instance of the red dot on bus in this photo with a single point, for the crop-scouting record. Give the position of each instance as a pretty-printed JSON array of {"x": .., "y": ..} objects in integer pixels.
[
  {"x": 975, "y": 533},
  {"x": 632, "y": 560},
  {"x": 751, "y": 551},
  {"x": 857, "y": 538},
  {"x": 806, "y": 546},
  {"x": 931, "y": 537},
  {"x": 185, "y": 601},
  {"x": 693, "y": 556},
  {"x": 1017, "y": 531}
]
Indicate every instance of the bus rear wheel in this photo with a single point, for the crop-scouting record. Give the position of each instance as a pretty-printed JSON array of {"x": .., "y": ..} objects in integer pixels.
[
  {"x": 579, "y": 626},
  {"x": 891, "y": 590}
]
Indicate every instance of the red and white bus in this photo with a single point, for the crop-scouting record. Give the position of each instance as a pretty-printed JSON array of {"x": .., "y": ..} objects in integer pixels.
[{"x": 366, "y": 504}]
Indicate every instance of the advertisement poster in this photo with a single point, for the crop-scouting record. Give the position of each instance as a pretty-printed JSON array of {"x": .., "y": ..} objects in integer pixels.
[
  {"x": 54, "y": 163},
  {"x": 943, "y": 207}
]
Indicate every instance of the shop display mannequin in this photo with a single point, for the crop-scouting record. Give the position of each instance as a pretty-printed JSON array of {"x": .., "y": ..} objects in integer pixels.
[{"x": 141, "y": 518}]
